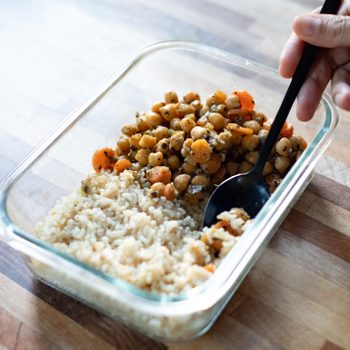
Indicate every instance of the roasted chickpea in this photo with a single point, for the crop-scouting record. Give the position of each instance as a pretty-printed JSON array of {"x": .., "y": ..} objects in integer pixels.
[
  {"x": 188, "y": 168},
  {"x": 162, "y": 146},
  {"x": 236, "y": 138},
  {"x": 259, "y": 117},
  {"x": 173, "y": 162},
  {"x": 155, "y": 159},
  {"x": 284, "y": 146},
  {"x": 219, "y": 175},
  {"x": 232, "y": 102},
  {"x": 244, "y": 167},
  {"x": 198, "y": 132},
  {"x": 142, "y": 123},
  {"x": 273, "y": 180},
  {"x": 197, "y": 105},
  {"x": 263, "y": 135},
  {"x": 157, "y": 106},
  {"x": 175, "y": 124},
  {"x": 252, "y": 157},
  {"x": 231, "y": 168},
  {"x": 217, "y": 120},
  {"x": 268, "y": 168},
  {"x": 157, "y": 190},
  {"x": 282, "y": 163},
  {"x": 187, "y": 124},
  {"x": 148, "y": 141},
  {"x": 186, "y": 147},
  {"x": 212, "y": 165},
  {"x": 181, "y": 182},
  {"x": 160, "y": 132},
  {"x": 204, "y": 110},
  {"x": 129, "y": 129},
  {"x": 254, "y": 125},
  {"x": 134, "y": 141},
  {"x": 123, "y": 144},
  {"x": 294, "y": 140},
  {"x": 142, "y": 156},
  {"x": 201, "y": 150},
  {"x": 191, "y": 96},
  {"x": 171, "y": 97},
  {"x": 169, "y": 192},
  {"x": 221, "y": 109},
  {"x": 201, "y": 180},
  {"x": 169, "y": 111},
  {"x": 209, "y": 126},
  {"x": 250, "y": 142},
  {"x": 177, "y": 140},
  {"x": 184, "y": 109},
  {"x": 226, "y": 138},
  {"x": 154, "y": 119}
]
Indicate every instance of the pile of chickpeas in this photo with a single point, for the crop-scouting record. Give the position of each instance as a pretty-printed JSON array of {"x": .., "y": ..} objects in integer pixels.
[{"x": 188, "y": 146}]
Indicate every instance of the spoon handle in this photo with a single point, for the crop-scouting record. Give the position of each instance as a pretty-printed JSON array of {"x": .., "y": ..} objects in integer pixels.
[{"x": 305, "y": 63}]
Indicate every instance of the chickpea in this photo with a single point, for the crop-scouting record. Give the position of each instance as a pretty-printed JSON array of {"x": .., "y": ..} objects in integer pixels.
[
  {"x": 263, "y": 135},
  {"x": 129, "y": 129},
  {"x": 250, "y": 142},
  {"x": 142, "y": 123},
  {"x": 209, "y": 126},
  {"x": 188, "y": 168},
  {"x": 123, "y": 144},
  {"x": 181, "y": 182},
  {"x": 169, "y": 191},
  {"x": 142, "y": 156},
  {"x": 273, "y": 180},
  {"x": 232, "y": 102},
  {"x": 175, "y": 124},
  {"x": 220, "y": 97},
  {"x": 210, "y": 100},
  {"x": 162, "y": 146},
  {"x": 157, "y": 106},
  {"x": 201, "y": 151},
  {"x": 157, "y": 189},
  {"x": 184, "y": 109},
  {"x": 171, "y": 97},
  {"x": 186, "y": 148},
  {"x": 254, "y": 125},
  {"x": 244, "y": 167},
  {"x": 284, "y": 146},
  {"x": 236, "y": 138},
  {"x": 187, "y": 124},
  {"x": 201, "y": 180},
  {"x": 177, "y": 140},
  {"x": 268, "y": 168},
  {"x": 160, "y": 132},
  {"x": 191, "y": 96},
  {"x": 148, "y": 141},
  {"x": 198, "y": 132},
  {"x": 154, "y": 119},
  {"x": 219, "y": 175},
  {"x": 252, "y": 157},
  {"x": 226, "y": 138},
  {"x": 203, "y": 111},
  {"x": 232, "y": 168},
  {"x": 155, "y": 159},
  {"x": 217, "y": 120},
  {"x": 173, "y": 162},
  {"x": 212, "y": 165},
  {"x": 169, "y": 111},
  {"x": 134, "y": 141},
  {"x": 259, "y": 117},
  {"x": 197, "y": 105},
  {"x": 294, "y": 140},
  {"x": 282, "y": 163}
]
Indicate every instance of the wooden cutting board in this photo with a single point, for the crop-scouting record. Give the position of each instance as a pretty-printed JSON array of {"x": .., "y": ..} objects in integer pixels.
[{"x": 297, "y": 296}]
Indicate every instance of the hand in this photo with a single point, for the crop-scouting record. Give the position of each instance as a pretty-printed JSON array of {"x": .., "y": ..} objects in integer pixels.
[{"x": 331, "y": 32}]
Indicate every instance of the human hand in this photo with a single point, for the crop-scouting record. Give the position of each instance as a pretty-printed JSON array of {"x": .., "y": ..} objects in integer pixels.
[{"x": 332, "y": 33}]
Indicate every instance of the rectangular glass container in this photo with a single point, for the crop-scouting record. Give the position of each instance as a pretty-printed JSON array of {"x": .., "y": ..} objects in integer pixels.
[{"x": 63, "y": 159}]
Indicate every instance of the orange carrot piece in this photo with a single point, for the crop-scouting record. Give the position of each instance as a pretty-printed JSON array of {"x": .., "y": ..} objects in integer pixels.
[
  {"x": 287, "y": 130},
  {"x": 103, "y": 158},
  {"x": 121, "y": 165},
  {"x": 226, "y": 226},
  {"x": 303, "y": 143},
  {"x": 246, "y": 100},
  {"x": 220, "y": 97},
  {"x": 210, "y": 267},
  {"x": 159, "y": 174}
]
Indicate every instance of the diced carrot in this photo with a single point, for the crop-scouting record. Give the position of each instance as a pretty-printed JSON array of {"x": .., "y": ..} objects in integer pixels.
[
  {"x": 287, "y": 130},
  {"x": 217, "y": 244},
  {"x": 159, "y": 174},
  {"x": 121, "y": 165},
  {"x": 103, "y": 158},
  {"x": 210, "y": 267},
  {"x": 247, "y": 117},
  {"x": 240, "y": 129},
  {"x": 169, "y": 191},
  {"x": 246, "y": 100}
]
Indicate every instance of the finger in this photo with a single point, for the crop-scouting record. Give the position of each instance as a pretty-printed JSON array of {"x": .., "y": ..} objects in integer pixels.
[
  {"x": 311, "y": 92},
  {"x": 323, "y": 30},
  {"x": 340, "y": 87},
  {"x": 290, "y": 56}
]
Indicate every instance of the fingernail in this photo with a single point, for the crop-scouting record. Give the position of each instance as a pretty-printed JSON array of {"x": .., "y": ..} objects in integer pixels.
[{"x": 308, "y": 25}]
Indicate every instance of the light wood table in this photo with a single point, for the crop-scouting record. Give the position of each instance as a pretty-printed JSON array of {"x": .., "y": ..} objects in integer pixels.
[{"x": 53, "y": 54}]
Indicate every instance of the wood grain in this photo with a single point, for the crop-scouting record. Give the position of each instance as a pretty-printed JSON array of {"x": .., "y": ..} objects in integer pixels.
[{"x": 53, "y": 55}]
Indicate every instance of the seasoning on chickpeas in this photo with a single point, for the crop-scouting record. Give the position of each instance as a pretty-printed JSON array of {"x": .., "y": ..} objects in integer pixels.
[{"x": 185, "y": 147}]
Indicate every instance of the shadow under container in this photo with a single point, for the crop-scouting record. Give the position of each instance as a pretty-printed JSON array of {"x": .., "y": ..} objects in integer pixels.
[{"x": 63, "y": 159}]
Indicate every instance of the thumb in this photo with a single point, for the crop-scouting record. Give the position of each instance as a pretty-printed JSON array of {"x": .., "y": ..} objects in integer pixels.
[{"x": 323, "y": 30}]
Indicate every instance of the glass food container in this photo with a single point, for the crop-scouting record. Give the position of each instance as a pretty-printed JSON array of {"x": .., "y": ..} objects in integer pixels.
[{"x": 63, "y": 159}]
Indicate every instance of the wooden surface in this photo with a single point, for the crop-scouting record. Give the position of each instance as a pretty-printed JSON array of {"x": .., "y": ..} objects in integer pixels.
[{"x": 55, "y": 53}]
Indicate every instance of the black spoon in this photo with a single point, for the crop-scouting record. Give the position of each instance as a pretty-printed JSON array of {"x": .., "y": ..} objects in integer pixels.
[{"x": 249, "y": 190}]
